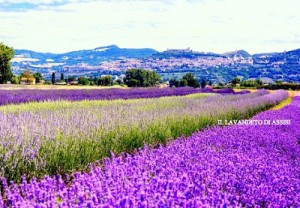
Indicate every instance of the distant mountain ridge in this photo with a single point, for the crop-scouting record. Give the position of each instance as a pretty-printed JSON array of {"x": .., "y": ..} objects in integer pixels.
[
  {"x": 113, "y": 52},
  {"x": 277, "y": 66},
  {"x": 91, "y": 56}
]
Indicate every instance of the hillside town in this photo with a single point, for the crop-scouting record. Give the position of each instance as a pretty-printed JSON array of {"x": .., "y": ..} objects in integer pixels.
[{"x": 171, "y": 63}]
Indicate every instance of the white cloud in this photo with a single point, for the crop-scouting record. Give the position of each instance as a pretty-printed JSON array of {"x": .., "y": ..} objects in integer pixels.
[{"x": 215, "y": 25}]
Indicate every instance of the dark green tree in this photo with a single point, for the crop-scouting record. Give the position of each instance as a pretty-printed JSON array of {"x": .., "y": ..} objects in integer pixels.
[
  {"x": 187, "y": 80},
  {"x": 118, "y": 82},
  {"x": 133, "y": 83},
  {"x": 189, "y": 77},
  {"x": 173, "y": 82},
  {"x": 235, "y": 81},
  {"x": 15, "y": 80},
  {"x": 141, "y": 78},
  {"x": 191, "y": 80},
  {"x": 259, "y": 82},
  {"x": 93, "y": 80},
  {"x": 83, "y": 81},
  {"x": 71, "y": 78},
  {"x": 38, "y": 77},
  {"x": 203, "y": 83},
  {"x": 53, "y": 78},
  {"x": 183, "y": 83},
  {"x": 196, "y": 84},
  {"x": 105, "y": 81},
  {"x": 6, "y": 54},
  {"x": 62, "y": 77},
  {"x": 248, "y": 83}
]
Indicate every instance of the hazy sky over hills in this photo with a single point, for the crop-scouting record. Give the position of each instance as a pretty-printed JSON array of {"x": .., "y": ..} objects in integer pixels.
[{"x": 203, "y": 25}]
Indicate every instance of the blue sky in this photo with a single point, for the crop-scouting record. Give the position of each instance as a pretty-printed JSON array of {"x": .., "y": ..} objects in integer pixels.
[{"x": 203, "y": 25}]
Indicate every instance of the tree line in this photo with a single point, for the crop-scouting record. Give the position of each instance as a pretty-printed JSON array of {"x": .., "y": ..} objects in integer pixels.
[{"x": 100, "y": 81}]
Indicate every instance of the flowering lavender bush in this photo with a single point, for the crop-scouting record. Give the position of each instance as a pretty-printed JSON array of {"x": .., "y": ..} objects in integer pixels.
[{"x": 234, "y": 166}]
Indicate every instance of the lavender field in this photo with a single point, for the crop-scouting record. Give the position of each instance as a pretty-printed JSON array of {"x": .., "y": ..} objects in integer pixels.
[
  {"x": 63, "y": 136},
  {"x": 44, "y": 144},
  {"x": 234, "y": 166}
]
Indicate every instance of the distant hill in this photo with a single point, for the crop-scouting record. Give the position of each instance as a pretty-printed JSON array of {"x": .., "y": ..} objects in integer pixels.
[
  {"x": 187, "y": 53},
  {"x": 238, "y": 53},
  {"x": 113, "y": 51},
  {"x": 289, "y": 57},
  {"x": 91, "y": 56},
  {"x": 34, "y": 55}
]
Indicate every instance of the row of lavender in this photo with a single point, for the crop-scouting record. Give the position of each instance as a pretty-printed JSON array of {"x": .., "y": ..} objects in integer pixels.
[
  {"x": 252, "y": 166},
  {"x": 24, "y": 96}
]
